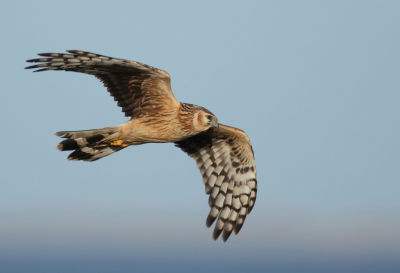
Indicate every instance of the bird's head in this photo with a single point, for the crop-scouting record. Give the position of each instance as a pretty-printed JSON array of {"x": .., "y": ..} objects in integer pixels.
[{"x": 206, "y": 119}]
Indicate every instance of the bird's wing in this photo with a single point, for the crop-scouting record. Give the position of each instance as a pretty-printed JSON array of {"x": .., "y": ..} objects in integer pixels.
[
  {"x": 226, "y": 162},
  {"x": 138, "y": 88}
]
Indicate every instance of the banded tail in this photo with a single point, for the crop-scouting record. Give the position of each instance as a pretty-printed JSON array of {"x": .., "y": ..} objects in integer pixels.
[{"x": 90, "y": 145}]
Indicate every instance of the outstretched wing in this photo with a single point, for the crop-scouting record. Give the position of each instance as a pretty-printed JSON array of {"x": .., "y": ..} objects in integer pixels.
[
  {"x": 138, "y": 88},
  {"x": 226, "y": 162}
]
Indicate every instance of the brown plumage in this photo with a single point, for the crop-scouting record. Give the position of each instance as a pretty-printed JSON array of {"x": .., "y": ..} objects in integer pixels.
[{"x": 223, "y": 154}]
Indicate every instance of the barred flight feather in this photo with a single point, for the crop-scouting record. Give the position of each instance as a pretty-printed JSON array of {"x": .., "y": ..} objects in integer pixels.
[
  {"x": 135, "y": 86},
  {"x": 226, "y": 162}
]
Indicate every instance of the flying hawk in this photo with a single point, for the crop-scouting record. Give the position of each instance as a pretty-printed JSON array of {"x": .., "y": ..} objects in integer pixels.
[{"x": 223, "y": 154}]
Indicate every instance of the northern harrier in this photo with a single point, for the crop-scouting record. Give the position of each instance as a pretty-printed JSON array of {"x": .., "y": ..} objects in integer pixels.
[{"x": 223, "y": 154}]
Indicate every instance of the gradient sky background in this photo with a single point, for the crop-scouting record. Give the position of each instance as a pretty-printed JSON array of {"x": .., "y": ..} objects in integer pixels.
[{"x": 315, "y": 85}]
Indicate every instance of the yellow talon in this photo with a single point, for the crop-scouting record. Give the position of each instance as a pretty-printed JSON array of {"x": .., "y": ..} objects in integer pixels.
[{"x": 118, "y": 143}]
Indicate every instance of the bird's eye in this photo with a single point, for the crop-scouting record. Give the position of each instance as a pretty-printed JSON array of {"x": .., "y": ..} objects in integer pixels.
[{"x": 209, "y": 117}]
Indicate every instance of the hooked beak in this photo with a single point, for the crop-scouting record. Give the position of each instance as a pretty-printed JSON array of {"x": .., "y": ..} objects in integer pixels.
[{"x": 214, "y": 123}]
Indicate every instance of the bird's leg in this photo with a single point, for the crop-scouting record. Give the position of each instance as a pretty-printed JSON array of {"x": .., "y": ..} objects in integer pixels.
[{"x": 118, "y": 143}]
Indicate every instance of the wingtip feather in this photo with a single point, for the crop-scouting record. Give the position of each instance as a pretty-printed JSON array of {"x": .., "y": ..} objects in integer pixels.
[
  {"x": 210, "y": 220},
  {"x": 225, "y": 238}
]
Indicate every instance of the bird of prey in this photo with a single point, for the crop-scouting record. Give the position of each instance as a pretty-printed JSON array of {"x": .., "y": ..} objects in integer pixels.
[{"x": 223, "y": 154}]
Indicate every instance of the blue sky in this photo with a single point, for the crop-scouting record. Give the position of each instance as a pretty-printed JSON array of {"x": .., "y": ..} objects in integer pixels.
[{"x": 315, "y": 85}]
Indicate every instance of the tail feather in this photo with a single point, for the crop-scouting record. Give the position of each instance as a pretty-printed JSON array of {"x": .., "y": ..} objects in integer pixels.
[
  {"x": 73, "y": 144},
  {"x": 87, "y": 133},
  {"x": 93, "y": 154},
  {"x": 90, "y": 145}
]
